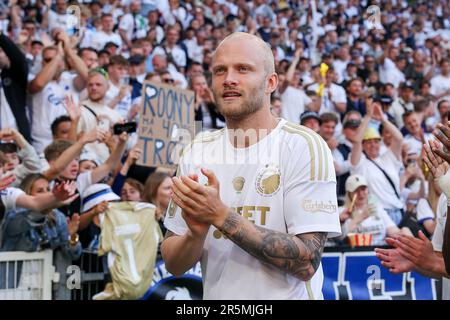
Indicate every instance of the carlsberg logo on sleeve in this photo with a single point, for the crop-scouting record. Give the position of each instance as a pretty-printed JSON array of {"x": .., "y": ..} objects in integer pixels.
[{"x": 310, "y": 205}]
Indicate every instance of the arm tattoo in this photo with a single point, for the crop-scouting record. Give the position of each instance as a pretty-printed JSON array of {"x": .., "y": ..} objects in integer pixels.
[{"x": 298, "y": 255}]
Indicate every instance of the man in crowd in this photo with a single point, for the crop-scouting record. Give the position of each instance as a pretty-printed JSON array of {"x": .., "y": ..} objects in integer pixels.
[
  {"x": 95, "y": 112},
  {"x": 14, "y": 72},
  {"x": 381, "y": 170},
  {"x": 50, "y": 87}
]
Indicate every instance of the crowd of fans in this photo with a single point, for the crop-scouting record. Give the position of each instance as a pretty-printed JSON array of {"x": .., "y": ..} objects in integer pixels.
[{"x": 68, "y": 75}]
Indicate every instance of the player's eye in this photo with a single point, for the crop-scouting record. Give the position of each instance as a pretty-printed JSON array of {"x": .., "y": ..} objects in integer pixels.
[{"x": 219, "y": 71}]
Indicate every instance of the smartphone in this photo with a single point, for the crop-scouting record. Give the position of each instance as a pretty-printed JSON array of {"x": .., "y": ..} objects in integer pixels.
[{"x": 128, "y": 127}]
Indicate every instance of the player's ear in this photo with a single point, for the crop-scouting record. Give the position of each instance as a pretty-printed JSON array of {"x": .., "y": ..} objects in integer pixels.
[{"x": 272, "y": 83}]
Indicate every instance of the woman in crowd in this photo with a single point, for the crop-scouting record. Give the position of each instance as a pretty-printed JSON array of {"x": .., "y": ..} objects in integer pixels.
[
  {"x": 158, "y": 190},
  {"x": 363, "y": 215},
  {"x": 132, "y": 190},
  {"x": 32, "y": 230}
]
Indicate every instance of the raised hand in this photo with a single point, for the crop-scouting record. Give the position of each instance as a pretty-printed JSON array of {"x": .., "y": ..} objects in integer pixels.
[
  {"x": 134, "y": 111},
  {"x": 369, "y": 107},
  {"x": 332, "y": 143},
  {"x": 94, "y": 135},
  {"x": 65, "y": 191},
  {"x": 6, "y": 179},
  {"x": 123, "y": 137},
  {"x": 134, "y": 155},
  {"x": 198, "y": 100},
  {"x": 73, "y": 110},
  {"x": 8, "y": 134},
  {"x": 208, "y": 95},
  {"x": 298, "y": 53},
  {"x": 60, "y": 50},
  {"x": 124, "y": 90},
  {"x": 64, "y": 38},
  {"x": 24, "y": 35},
  {"x": 73, "y": 224},
  {"x": 377, "y": 112}
]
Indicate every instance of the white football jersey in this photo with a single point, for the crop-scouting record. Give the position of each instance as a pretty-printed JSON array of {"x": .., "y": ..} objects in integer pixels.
[
  {"x": 438, "y": 239},
  {"x": 286, "y": 182}
]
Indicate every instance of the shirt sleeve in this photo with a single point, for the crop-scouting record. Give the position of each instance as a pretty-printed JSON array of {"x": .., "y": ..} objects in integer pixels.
[
  {"x": 306, "y": 100},
  {"x": 433, "y": 87},
  {"x": 359, "y": 167},
  {"x": 438, "y": 234},
  {"x": 9, "y": 198},
  {"x": 339, "y": 95},
  {"x": 125, "y": 23},
  {"x": 30, "y": 162},
  {"x": 310, "y": 202},
  {"x": 390, "y": 156},
  {"x": 173, "y": 220},
  {"x": 424, "y": 211},
  {"x": 385, "y": 217}
]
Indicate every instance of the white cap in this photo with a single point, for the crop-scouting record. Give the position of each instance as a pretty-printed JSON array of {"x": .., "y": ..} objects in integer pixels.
[
  {"x": 95, "y": 194},
  {"x": 86, "y": 155},
  {"x": 354, "y": 182}
]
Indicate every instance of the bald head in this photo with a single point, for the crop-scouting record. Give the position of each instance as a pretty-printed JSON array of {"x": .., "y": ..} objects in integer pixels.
[
  {"x": 243, "y": 76},
  {"x": 257, "y": 43},
  {"x": 159, "y": 63}
]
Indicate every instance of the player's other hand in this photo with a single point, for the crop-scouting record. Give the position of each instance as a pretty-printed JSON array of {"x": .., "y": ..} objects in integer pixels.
[{"x": 200, "y": 203}]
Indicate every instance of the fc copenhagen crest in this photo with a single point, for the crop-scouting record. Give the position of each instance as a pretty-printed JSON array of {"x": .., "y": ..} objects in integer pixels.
[{"x": 268, "y": 180}]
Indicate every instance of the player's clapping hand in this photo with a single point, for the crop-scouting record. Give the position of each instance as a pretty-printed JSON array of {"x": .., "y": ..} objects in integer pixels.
[
  {"x": 197, "y": 229},
  {"x": 442, "y": 133},
  {"x": 417, "y": 250},
  {"x": 438, "y": 167},
  {"x": 200, "y": 203}
]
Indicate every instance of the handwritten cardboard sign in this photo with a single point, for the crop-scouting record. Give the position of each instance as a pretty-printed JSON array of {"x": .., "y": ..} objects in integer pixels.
[{"x": 166, "y": 124}]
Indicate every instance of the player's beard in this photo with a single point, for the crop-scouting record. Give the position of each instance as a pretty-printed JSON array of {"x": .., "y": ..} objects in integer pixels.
[{"x": 251, "y": 103}]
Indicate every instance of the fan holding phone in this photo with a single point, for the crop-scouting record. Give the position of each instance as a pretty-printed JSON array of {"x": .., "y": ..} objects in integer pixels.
[{"x": 95, "y": 113}]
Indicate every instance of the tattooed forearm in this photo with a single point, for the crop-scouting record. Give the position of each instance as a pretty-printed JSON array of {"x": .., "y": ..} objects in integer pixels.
[{"x": 298, "y": 255}]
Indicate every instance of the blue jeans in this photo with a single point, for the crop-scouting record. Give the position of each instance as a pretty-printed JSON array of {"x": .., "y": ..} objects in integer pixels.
[{"x": 395, "y": 214}]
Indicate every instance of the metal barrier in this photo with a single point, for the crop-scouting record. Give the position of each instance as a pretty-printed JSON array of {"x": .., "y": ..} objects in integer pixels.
[
  {"x": 94, "y": 275},
  {"x": 26, "y": 276},
  {"x": 30, "y": 276}
]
